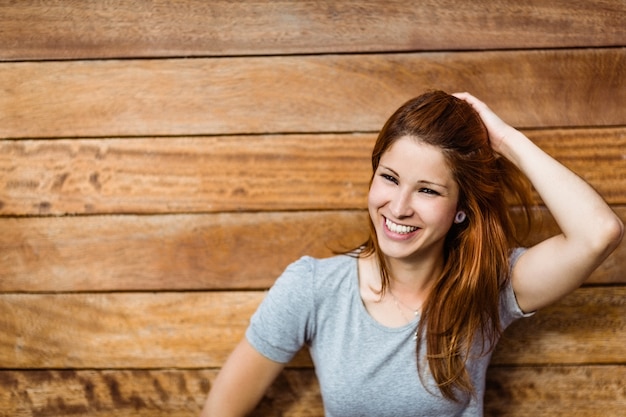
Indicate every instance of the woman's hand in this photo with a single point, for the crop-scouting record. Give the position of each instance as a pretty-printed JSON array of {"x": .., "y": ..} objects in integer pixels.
[{"x": 499, "y": 131}]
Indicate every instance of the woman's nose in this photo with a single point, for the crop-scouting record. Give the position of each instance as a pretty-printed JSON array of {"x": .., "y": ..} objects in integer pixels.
[{"x": 400, "y": 205}]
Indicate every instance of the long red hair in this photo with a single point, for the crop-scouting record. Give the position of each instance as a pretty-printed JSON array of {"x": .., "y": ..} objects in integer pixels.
[{"x": 464, "y": 301}]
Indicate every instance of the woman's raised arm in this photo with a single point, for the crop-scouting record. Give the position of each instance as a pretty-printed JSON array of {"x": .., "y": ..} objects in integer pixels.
[{"x": 590, "y": 230}]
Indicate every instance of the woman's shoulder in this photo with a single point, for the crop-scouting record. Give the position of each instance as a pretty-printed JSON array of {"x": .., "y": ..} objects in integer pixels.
[
  {"x": 323, "y": 268},
  {"x": 322, "y": 273}
]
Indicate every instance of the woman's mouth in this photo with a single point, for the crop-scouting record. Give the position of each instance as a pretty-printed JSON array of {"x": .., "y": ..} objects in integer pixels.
[{"x": 399, "y": 228}]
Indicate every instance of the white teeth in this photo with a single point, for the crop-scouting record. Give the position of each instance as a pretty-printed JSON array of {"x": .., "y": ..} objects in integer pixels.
[{"x": 398, "y": 228}]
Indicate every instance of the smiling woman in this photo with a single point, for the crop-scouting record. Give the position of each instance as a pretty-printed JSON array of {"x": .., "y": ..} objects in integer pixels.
[
  {"x": 452, "y": 268},
  {"x": 442, "y": 246}
]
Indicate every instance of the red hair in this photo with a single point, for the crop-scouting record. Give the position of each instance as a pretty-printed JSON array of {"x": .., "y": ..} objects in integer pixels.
[{"x": 464, "y": 300}]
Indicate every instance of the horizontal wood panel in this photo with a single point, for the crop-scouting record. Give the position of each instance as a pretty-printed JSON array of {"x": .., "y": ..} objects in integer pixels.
[
  {"x": 76, "y": 29},
  {"x": 105, "y": 393},
  {"x": 233, "y": 173},
  {"x": 586, "y": 326},
  {"x": 192, "y": 330},
  {"x": 511, "y": 391},
  {"x": 332, "y": 93},
  {"x": 222, "y": 251},
  {"x": 555, "y": 391},
  {"x": 185, "y": 174},
  {"x": 190, "y": 252},
  {"x": 141, "y": 330}
]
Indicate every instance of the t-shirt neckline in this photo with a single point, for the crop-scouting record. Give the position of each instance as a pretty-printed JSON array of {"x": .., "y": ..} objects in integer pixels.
[{"x": 364, "y": 315}]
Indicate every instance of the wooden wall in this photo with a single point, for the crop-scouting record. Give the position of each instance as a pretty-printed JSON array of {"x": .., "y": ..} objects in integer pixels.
[{"x": 162, "y": 162}]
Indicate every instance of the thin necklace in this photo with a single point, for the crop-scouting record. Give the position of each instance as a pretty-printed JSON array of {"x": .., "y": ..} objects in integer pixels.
[
  {"x": 398, "y": 303},
  {"x": 408, "y": 319}
]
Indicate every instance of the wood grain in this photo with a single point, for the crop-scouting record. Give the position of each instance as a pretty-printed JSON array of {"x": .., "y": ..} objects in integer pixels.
[
  {"x": 60, "y": 29},
  {"x": 141, "y": 330},
  {"x": 196, "y": 330},
  {"x": 183, "y": 252},
  {"x": 511, "y": 391},
  {"x": 583, "y": 327},
  {"x": 162, "y": 162},
  {"x": 103, "y": 393},
  {"x": 191, "y": 252},
  {"x": 329, "y": 93},
  {"x": 241, "y": 173},
  {"x": 555, "y": 391},
  {"x": 210, "y": 174}
]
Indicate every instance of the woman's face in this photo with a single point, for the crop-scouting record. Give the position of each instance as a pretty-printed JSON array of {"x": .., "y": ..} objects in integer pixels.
[{"x": 412, "y": 200}]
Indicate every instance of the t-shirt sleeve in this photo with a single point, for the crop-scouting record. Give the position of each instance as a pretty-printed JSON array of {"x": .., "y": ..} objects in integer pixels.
[
  {"x": 279, "y": 327},
  {"x": 509, "y": 308}
]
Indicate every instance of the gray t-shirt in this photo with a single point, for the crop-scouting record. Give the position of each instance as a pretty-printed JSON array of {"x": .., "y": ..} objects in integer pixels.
[{"x": 364, "y": 368}]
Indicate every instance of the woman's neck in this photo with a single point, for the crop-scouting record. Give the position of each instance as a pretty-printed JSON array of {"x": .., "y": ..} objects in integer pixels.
[
  {"x": 413, "y": 277},
  {"x": 409, "y": 282}
]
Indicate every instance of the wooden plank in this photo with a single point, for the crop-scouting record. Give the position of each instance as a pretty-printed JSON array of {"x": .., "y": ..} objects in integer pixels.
[
  {"x": 511, "y": 391},
  {"x": 185, "y": 174},
  {"x": 223, "y": 251},
  {"x": 131, "y": 330},
  {"x": 122, "y": 393},
  {"x": 190, "y": 252},
  {"x": 591, "y": 153},
  {"x": 330, "y": 93},
  {"x": 584, "y": 327},
  {"x": 234, "y": 173},
  {"x": 555, "y": 391},
  {"x": 76, "y": 30},
  {"x": 192, "y": 330}
]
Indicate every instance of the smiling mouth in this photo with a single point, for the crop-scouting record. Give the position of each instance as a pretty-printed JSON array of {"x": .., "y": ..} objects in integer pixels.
[{"x": 399, "y": 228}]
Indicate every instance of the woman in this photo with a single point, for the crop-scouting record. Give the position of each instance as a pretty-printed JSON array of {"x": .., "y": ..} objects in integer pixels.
[{"x": 405, "y": 325}]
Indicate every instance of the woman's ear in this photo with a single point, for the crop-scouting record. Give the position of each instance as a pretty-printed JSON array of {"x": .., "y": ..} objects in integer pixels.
[{"x": 460, "y": 217}]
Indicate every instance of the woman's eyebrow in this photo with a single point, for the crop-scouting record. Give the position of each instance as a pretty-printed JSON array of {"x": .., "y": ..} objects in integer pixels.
[
  {"x": 390, "y": 169},
  {"x": 425, "y": 182}
]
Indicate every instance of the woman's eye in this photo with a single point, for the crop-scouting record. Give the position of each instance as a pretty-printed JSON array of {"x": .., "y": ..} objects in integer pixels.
[
  {"x": 389, "y": 178},
  {"x": 428, "y": 191}
]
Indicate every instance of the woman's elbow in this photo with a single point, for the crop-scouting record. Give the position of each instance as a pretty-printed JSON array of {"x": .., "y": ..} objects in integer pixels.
[{"x": 609, "y": 234}]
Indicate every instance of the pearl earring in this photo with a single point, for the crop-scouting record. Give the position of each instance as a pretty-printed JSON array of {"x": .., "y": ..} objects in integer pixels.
[{"x": 460, "y": 217}]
